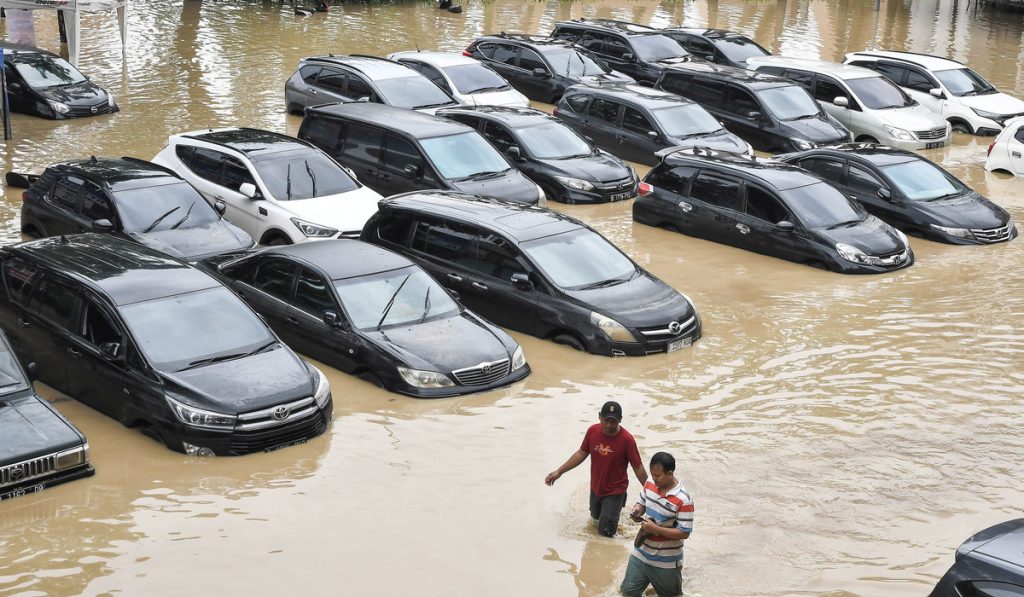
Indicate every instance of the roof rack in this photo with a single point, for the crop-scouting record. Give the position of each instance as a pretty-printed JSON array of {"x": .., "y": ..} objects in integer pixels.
[{"x": 872, "y": 53}]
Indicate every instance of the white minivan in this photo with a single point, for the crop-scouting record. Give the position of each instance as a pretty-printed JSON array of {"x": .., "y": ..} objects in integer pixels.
[{"x": 867, "y": 103}]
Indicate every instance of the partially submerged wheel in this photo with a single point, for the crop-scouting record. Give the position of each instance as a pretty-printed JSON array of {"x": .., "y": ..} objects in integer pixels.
[{"x": 569, "y": 340}]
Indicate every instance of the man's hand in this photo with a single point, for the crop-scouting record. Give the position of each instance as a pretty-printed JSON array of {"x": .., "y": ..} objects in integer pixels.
[
  {"x": 552, "y": 477},
  {"x": 637, "y": 512}
]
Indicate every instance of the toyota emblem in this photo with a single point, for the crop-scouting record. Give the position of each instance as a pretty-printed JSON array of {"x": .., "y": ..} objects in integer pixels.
[
  {"x": 675, "y": 328},
  {"x": 94, "y": 109},
  {"x": 281, "y": 413},
  {"x": 17, "y": 473},
  {"x": 485, "y": 368}
]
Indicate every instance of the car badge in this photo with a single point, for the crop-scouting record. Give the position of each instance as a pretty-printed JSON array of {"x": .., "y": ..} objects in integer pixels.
[
  {"x": 94, "y": 109},
  {"x": 485, "y": 368},
  {"x": 17, "y": 473},
  {"x": 281, "y": 413},
  {"x": 675, "y": 328}
]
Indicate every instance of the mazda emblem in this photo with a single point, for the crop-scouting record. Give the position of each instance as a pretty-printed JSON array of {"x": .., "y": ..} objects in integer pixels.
[
  {"x": 675, "y": 328},
  {"x": 281, "y": 413}
]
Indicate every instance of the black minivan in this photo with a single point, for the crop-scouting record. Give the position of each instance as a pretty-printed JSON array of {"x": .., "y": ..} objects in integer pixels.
[
  {"x": 636, "y": 50},
  {"x": 157, "y": 344},
  {"x": 394, "y": 150},
  {"x": 537, "y": 271},
  {"x": 770, "y": 208}
]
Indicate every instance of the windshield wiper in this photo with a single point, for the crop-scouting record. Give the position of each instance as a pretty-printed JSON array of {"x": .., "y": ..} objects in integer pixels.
[
  {"x": 391, "y": 302},
  {"x": 426, "y": 305},
  {"x": 608, "y": 282},
  {"x": 161, "y": 218},
  {"x": 488, "y": 174},
  {"x": 214, "y": 359},
  {"x": 843, "y": 224},
  {"x": 490, "y": 89},
  {"x": 447, "y": 103},
  {"x": 312, "y": 177},
  {"x": 182, "y": 221},
  {"x": 288, "y": 182}
]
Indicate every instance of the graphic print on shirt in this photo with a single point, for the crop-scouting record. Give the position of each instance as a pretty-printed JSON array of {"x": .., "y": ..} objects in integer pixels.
[{"x": 603, "y": 450}]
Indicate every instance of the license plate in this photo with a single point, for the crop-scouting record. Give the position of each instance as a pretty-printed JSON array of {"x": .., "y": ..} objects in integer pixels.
[
  {"x": 22, "y": 491},
  {"x": 934, "y": 144},
  {"x": 619, "y": 196},
  {"x": 677, "y": 344},
  {"x": 286, "y": 445}
]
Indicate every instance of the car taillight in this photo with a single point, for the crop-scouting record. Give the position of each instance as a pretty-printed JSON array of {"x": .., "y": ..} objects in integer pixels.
[
  {"x": 468, "y": 52},
  {"x": 24, "y": 195},
  {"x": 990, "y": 146},
  {"x": 554, "y": 112},
  {"x": 644, "y": 189}
]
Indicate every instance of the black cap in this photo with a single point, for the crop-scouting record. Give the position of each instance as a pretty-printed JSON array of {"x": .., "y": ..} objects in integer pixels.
[{"x": 611, "y": 409}]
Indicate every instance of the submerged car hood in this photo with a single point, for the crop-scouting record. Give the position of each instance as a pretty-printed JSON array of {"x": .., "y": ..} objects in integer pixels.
[
  {"x": 598, "y": 166},
  {"x": 345, "y": 212},
  {"x": 86, "y": 92},
  {"x": 191, "y": 243},
  {"x": 443, "y": 344},
  {"x": 817, "y": 129},
  {"x": 719, "y": 141},
  {"x": 912, "y": 118},
  {"x": 999, "y": 103},
  {"x": 28, "y": 429},
  {"x": 871, "y": 235},
  {"x": 246, "y": 384},
  {"x": 510, "y": 185},
  {"x": 643, "y": 301},
  {"x": 970, "y": 210}
]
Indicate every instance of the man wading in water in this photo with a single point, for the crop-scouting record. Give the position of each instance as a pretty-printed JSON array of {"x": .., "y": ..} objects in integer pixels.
[{"x": 610, "y": 448}]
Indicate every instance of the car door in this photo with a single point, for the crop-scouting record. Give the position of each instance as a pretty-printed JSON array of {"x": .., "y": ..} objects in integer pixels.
[
  {"x": 308, "y": 93},
  {"x": 757, "y": 226},
  {"x": 919, "y": 84},
  {"x": 60, "y": 215},
  {"x": 490, "y": 283},
  {"x": 330, "y": 86},
  {"x": 267, "y": 286},
  {"x": 447, "y": 250},
  {"x": 402, "y": 166},
  {"x": 533, "y": 85},
  {"x": 716, "y": 198},
  {"x": 672, "y": 202},
  {"x": 502, "y": 58},
  {"x": 744, "y": 116},
  {"x": 826, "y": 90},
  {"x": 634, "y": 140},
  {"x": 210, "y": 179},
  {"x": 361, "y": 150},
  {"x": 601, "y": 123},
  {"x": 30, "y": 333},
  {"x": 1015, "y": 150},
  {"x": 863, "y": 184},
  {"x": 95, "y": 206},
  {"x": 56, "y": 307},
  {"x": 96, "y": 376},
  {"x": 308, "y": 333}
]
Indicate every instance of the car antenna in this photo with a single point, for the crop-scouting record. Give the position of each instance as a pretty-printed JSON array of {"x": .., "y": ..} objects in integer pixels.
[
  {"x": 64, "y": 240},
  {"x": 92, "y": 159},
  {"x": 417, "y": 45}
]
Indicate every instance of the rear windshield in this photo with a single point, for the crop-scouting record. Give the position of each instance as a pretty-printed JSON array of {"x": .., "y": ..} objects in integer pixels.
[{"x": 412, "y": 92}]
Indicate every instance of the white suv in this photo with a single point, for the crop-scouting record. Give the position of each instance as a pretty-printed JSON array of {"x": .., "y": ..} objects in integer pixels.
[
  {"x": 870, "y": 105},
  {"x": 277, "y": 188},
  {"x": 469, "y": 81},
  {"x": 969, "y": 102}
]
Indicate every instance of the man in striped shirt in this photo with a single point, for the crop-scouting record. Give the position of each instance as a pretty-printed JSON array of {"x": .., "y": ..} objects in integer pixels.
[{"x": 666, "y": 510}]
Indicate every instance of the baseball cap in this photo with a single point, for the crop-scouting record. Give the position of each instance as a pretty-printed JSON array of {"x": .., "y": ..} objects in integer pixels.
[{"x": 611, "y": 409}]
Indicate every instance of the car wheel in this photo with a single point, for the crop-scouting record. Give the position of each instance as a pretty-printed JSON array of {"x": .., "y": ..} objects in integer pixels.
[
  {"x": 569, "y": 340},
  {"x": 866, "y": 139},
  {"x": 960, "y": 126},
  {"x": 371, "y": 378},
  {"x": 276, "y": 240}
]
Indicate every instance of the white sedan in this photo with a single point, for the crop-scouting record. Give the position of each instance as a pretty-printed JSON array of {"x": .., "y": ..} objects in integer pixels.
[
  {"x": 467, "y": 80},
  {"x": 1006, "y": 153}
]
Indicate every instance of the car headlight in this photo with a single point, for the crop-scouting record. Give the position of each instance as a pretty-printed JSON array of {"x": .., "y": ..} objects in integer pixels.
[
  {"x": 312, "y": 230},
  {"x": 575, "y": 183},
  {"x": 955, "y": 232},
  {"x": 198, "y": 417},
  {"x": 852, "y": 254},
  {"x": 803, "y": 144},
  {"x": 58, "y": 107},
  {"x": 110, "y": 100},
  {"x": 72, "y": 457},
  {"x": 611, "y": 328},
  {"x": 900, "y": 134},
  {"x": 424, "y": 379},
  {"x": 518, "y": 359},
  {"x": 989, "y": 115},
  {"x": 323, "y": 389}
]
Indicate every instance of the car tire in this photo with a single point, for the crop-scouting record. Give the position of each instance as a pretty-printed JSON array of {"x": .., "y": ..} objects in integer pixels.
[
  {"x": 866, "y": 139},
  {"x": 960, "y": 126},
  {"x": 569, "y": 340},
  {"x": 275, "y": 239},
  {"x": 371, "y": 378}
]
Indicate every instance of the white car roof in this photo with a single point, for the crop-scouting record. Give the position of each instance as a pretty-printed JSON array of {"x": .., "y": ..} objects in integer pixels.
[
  {"x": 438, "y": 59},
  {"x": 842, "y": 71},
  {"x": 932, "y": 63}
]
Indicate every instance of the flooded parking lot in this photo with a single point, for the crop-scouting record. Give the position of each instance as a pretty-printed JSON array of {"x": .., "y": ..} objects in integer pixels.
[{"x": 840, "y": 435}]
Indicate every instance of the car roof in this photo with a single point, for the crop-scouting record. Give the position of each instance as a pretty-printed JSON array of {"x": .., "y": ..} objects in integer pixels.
[
  {"x": 121, "y": 173},
  {"x": 708, "y": 33},
  {"x": 843, "y": 71},
  {"x": 933, "y": 63},
  {"x": 416, "y": 124},
  {"x": 733, "y": 74},
  {"x": 373, "y": 67},
  {"x": 438, "y": 59},
  {"x": 772, "y": 172},
  {"x": 248, "y": 141},
  {"x": 342, "y": 258},
  {"x": 644, "y": 96},
  {"x": 879, "y": 155},
  {"x": 625, "y": 27},
  {"x": 516, "y": 220},
  {"x": 513, "y": 117},
  {"x": 536, "y": 41},
  {"x": 124, "y": 271}
]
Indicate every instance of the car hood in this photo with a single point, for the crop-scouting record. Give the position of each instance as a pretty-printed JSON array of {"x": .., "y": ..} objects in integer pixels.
[
  {"x": 818, "y": 129},
  {"x": 508, "y": 97},
  {"x": 970, "y": 210},
  {"x": 29, "y": 429},
  {"x": 644, "y": 301},
  {"x": 511, "y": 185},
  {"x": 912, "y": 118},
  {"x": 442, "y": 344},
  {"x": 345, "y": 212},
  {"x": 598, "y": 166},
  {"x": 605, "y": 79},
  {"x": 671, "y": 61},
  {"x": 871, "y": 235},
  {"x": 719, "y": 141},
  {"x": 86, "y": 92},
  {"x": 999, "y": 103},
  {"x": 246, "y": 384},
  {"x": 199, "y": 241}
]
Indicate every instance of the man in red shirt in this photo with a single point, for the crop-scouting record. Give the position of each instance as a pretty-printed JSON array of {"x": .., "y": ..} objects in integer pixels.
[{"x": 611, "y": 448}]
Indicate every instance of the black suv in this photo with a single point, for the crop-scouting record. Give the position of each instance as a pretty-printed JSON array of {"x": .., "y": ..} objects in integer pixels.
[
  {"x": 771, "y": 113},
  {"x": 44, "y": 84},
  {"x": 717, "y": 45},
  {"x": 537, "y": 271},
  {"x": 541, "y": 68},
  {"x": 393, "y": 150},
  {"x": 552, "y": 154},
  {"x": 638, "y": 51},
  {"x": 131, "y": 198},
  {"x": 767, "y": 207},
  {"x": 634, "y": 122},
  {"x": 157, "y": 344},
  {"x": 39, "y": 448}
]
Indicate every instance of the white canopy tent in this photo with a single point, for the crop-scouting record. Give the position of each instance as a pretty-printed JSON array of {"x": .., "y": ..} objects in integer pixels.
[{"x": 71, "y": 10}]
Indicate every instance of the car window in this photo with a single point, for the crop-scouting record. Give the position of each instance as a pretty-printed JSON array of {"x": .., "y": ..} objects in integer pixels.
[
  {"x": 655, "y": 47},
  {"x": 96, "y": 328},
  {"x": 530, "y": 60},
  {"x": 592, "y": 41},
  {"x": 505, "y": 54},
  {"x": 400, "y": 154},
  {"x": 395, "y": 228},
  {"x": 741, "y": 103},
  {"x": 763, "y": 206},
  {"x": 498, "y": 136},
  {"x": 718, "y": 191},
  {"x": 605, "y": 110},
  {"x": 577, "y": 102},
  {"x": 274, "y": 276},
  {"x": 463, "y": 155},
  {"x": 95, "y": 205},
  {"x": 894, "y": 72},
  {"x": 332, "y": 80},
  {"x": 738, "y": 48},
  {"x": 308, "y": 73},
  {"x": 19, "y": 278},
  {"x": 827, "y": 90},
  {"x": 702, "y": 91},
  {"x": 235, "y": 174},
  {"x": 11, "y": 376},
  {"x": 676, "y": 180},
  {"x": 676, "y": 83},
  {"x": 67, "y": 191},
  {"x": 413, "y": 92},
  {"x": 860, "y": 180},
  {"x": 485, "y": 49},
  {"x": 828, "y": 169},
  {"x": 58, "y": 303},
  {"x": 964, "y": 81},
  {"x": 435, "y": 77},
  {"x": 919, "y": 82},
  {"x": 615, "y": 46},
  {"x": 879, "y": 93},
  {"x": 204, "y": 163},
  {"x": 552, "y": 140},
  {"x": 40, "y": 72},
  {"x": 311, "y": 293},
  {"x": 574, "y": 62},
  {"x": 163, "y": 207},
  {"x": 358, "y": 88},
  {"x": 805, "y": 79},
  {"x": 789, "y": 102},
  {"x": 475, "y": 78},
  {"x": 986, "y": 588},
  {"x": 449, "y": 242},
  {"x": 701, "y": 46},
  {"x": 496, "y": 257},
  {"x": 921, "y": 180},
  {"x": 685, "y": 120},
  {"x": 579, "y": 258},
  {"x": 302, "y": 173},
  {"x": 395, "y": 297},
  {"x": 1019, "y": 135},
  {"x": 325, "y": 133},
  {"x": 636, "y": 121},
  {"x": 363, "y": 142},
  {"x": 821, "y": 205}
]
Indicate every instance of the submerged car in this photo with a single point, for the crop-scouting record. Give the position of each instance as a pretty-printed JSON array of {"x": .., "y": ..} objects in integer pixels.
[
  {"x": 469, "y": 81},
  {"x": 39, "y": 448},
  {"x": 717, "y": 45},
  {"x": 158, "y": 345},
  {"x": 909, "y": 192},
  {"x": 44, "y": 84},
  {"x": 636, "y": 50},
  {"x": 767, "y": 207},
  {"x": 537, "y": 271},
  {"x": 131, "y": 198},
  {"x": 988, "y": 564},
  {"x": 374, "y": 314},
  {"x": 1006, "y": 152}
]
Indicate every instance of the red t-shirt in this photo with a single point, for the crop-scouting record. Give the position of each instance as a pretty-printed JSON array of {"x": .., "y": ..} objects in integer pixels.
[{"x": 608, "y": 459}]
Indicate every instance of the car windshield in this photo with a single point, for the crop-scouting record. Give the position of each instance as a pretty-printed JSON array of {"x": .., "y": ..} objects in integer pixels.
[
  {"x": 11, "y": 377},
  {"x": 879, "y": 93},
  {"x": 474, "y": 78},
  {"x": 46, "y": 71},
  {"x": 738, "y": 48},
  {"x": 412, "y": 92},
  {"x": 572, "y": 62},
  {"x": 580, "y": 259},
  {"x": 789, "y": 103},
  {"x": 964, "y": 81},
  {"x": 463, "y": 156},
  {"x": 552, "y": 140},
  {"x": 396, "y": 297},
  {"x": 180, "y": 331},
  {"x": 686, "y": 120},
  {"x": 656, "y": 47},
  {"x": 302, "y": 174},
  {"x": 163, "y": 207},
  {"x": 822, "y": 206},
  {"x": 923, "y": 181}
]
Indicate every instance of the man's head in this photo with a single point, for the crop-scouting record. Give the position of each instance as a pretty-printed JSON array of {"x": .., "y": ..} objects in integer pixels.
[
  {"x": 663, "y": 467},
  {"x": 611, "y": 414}
]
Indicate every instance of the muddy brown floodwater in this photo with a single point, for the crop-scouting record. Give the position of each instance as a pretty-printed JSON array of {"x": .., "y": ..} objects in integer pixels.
[{"x": 840, "y": 435}]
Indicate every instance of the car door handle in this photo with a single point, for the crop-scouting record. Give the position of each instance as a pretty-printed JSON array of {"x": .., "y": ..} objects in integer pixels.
[
  {"x": 454, "y": 277},
  {"x": 620, "y": 138},
  {"x": 370, "y": 170},
  {"x": 685, "y": 206},
  {"x": 24, "y": 322},
  {"x": 1015, "y": 154},
  {"x": 479, "y": 286},
  {"x": 311, "y": 90},
  {"x": 74, "y": 352},
  {"x": 743, "y": 228},
  {"x": 385, "y": 177},
  {"x": 292, "y": 320}
]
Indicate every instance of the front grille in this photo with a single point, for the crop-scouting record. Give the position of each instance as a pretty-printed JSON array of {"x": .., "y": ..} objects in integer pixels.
[
  {"x": 243, "y": 442},
  {"x": 275, "y": 416},
  {"x": 931, "y": 135},
  {"x": 615, "y": 186},
  {"x": 101, "y": 108},
  {"x": 350, "y": 233},
  {"x": 683, "y": 327},
  {"x": 29, "y": 469},
  {"x": 482, "y": 374},
  {"x": 992, "y": 235},
  {"x": 891, "y": 259}
]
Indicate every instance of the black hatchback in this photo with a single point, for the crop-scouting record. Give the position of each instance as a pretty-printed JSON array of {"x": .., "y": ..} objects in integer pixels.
[
  {"x": 537, "y": 271},
  {"x": 374, "y": 314},
  {"x": 44, "y": 84},
  {"x": 552, "y": 154},
  {"x": 909, "y": 192},
  {"x": 768, "y": 207}
]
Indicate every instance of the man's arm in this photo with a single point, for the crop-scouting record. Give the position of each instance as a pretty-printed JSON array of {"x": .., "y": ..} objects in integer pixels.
[
  {"x": 641, "y": 474},
  {"x": 674, "y": 533},
  {"x": 578, "y": 457}
]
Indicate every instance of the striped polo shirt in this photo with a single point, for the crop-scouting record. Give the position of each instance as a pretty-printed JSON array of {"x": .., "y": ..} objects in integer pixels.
[{"x": 675, "y": 504}]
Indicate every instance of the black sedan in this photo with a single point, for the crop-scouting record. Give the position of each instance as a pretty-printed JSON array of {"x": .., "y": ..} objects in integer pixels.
[
  {"x": 909, "y": 192},
  {"x": 989, "y": 564},
  {"x": 770, "y": 208},
  {"x": 44, "y": 84},
  {"x": 375, "y": 314},
  {"x": 567, "y": 166}
]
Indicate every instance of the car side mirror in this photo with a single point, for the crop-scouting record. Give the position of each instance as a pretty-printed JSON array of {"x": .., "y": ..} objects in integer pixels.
[
  {"x": 589, "y": 139},
  {"x": 522, "y": 282},
  {"x": 841, "y": 101},
  {"x": 32, "y": 370},
  {"x": 785, "y": 226},
  {"x": 629, "y": 57},
  {"x": 248, "y": 189},
  {"x": 331, "y": 319},
  {"x": 653, "y": 134},
  {"x": 112, "y": 350},
  {"x": 937, "y": 93},
  {"x": 515, "y": 153},
  {"x": 884, "y": 194},
  {"x": 103, "y": 225},
  {"x": 540, "y": 72},
  {"x": 220, "y": 206},
  {"x": 754, "y": 115},
  {"x": 14, "y": 87},
  {"x": 363, "y": 98},
  {"x": 411, "y": 171}
]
